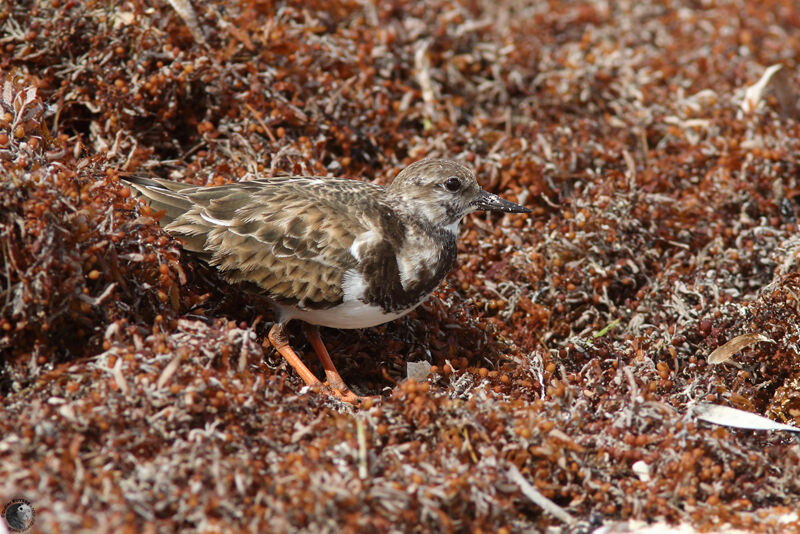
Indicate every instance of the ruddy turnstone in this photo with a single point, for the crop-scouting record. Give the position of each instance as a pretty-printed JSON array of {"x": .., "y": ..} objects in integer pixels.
[{"x": 328, "y": 251}]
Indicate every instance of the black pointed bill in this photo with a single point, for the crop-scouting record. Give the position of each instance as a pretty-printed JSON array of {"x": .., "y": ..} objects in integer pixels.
[{"x": 491, "y": 202}]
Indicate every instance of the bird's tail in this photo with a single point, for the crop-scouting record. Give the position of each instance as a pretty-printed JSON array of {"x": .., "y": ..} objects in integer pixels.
[{"x": 161, "y": 195}]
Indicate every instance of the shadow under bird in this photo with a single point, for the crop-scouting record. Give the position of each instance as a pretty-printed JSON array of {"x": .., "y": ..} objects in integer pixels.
[{"x": 328, "y": 251}]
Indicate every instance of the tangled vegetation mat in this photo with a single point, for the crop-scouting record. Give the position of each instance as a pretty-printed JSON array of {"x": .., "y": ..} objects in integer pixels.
[{"x": 655, "y": 145}]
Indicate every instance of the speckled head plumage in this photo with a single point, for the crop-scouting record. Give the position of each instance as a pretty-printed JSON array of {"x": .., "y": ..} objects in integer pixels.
[
  {"x": 328, "y": 251},
  {"x": 443, "y": 191}
]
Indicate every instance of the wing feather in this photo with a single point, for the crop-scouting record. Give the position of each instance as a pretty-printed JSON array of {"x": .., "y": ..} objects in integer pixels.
[{"x": 290, "y": 236}]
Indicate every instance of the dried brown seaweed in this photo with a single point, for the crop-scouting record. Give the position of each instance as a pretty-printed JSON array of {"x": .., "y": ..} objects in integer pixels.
[{"x": 137, "y": 395}]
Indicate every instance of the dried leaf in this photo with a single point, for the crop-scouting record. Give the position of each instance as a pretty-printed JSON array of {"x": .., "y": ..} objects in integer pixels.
[
  {"x": 733, "y": 346},
  {"x": 418, "y": 371},
  {"x": 186, "y": 11},
  {"x": 642, "y": 470},
  {"x": 534, "y": 495},
  {"x": 119, "y": 378},
  {"x": 731, "y": 417},
  {"x": 168, "y": 371},
  {"x": 755, "y": 93}
]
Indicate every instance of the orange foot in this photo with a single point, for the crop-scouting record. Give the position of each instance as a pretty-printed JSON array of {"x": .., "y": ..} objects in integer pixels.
[{"x": 347, "y": 396}]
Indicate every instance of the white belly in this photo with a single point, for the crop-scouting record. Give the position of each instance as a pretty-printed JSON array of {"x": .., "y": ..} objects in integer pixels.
[{"x": 348, "y": 314}]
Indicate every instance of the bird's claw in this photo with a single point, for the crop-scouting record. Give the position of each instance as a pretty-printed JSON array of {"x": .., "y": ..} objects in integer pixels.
[{"x": 344, "y": 394}]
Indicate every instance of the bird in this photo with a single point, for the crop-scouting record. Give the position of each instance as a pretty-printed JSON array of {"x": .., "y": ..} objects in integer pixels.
[{"x": 332, "y": 252}]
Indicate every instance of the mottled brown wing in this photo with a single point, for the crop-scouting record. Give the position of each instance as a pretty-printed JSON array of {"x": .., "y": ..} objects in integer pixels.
[{"x": 290, "y": 236}]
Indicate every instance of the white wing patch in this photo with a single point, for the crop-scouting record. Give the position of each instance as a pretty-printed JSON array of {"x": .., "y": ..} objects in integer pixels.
[{"x": 364, "y": 239}]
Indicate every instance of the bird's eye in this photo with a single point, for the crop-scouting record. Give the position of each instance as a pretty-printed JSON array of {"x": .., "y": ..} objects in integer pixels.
[{"x": 452, "y": 184}]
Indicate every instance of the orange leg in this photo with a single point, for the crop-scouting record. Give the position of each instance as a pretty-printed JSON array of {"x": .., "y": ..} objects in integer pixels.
[
  {"x": 334, "y": 378},
  {"x": 337, "y": 388},
  {"x": 279, "y": 339}
]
